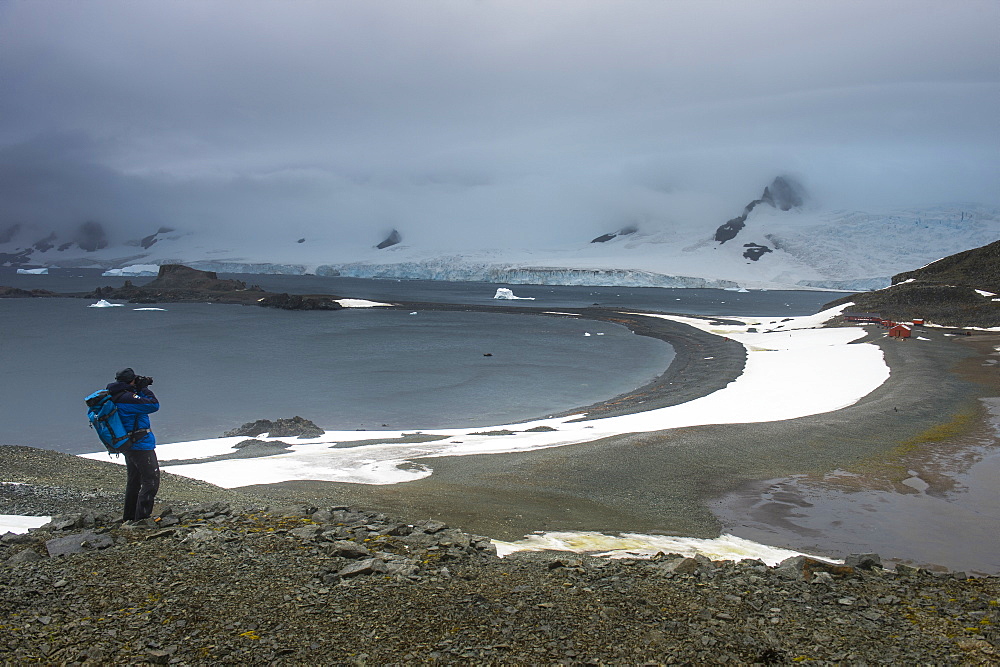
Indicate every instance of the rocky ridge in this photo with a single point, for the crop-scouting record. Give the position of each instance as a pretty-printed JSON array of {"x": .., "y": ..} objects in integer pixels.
[
  {"x": 235, "y": 580},
  {"x": 960, "y": 290}
]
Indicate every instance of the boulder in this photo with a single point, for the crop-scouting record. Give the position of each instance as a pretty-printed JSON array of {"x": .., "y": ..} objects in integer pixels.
[
  {"x": 367, "y": 566},
  {"x": 78, "y": 543},
  {"x": 863, "y": 561},
  {"x": 349, "y": 549},
  {"x": 803, "y": 568}
]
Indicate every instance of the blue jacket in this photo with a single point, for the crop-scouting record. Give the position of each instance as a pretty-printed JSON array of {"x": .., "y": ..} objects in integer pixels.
[{"x": 134, "y": 409}]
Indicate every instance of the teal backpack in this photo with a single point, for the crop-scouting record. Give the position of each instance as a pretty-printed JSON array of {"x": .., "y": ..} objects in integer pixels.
[{"x": 104, "y": 418}]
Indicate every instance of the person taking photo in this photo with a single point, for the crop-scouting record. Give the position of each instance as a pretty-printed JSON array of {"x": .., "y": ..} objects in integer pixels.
[{"x": 135, "y": 402}]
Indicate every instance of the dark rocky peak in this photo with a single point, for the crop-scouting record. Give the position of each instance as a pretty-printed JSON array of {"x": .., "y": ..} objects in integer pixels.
[
  {"x": 147, "y": 241},
  {"x": 178, "y": 276},
  {"x": 90, "y": 236},
  {"x": 624, "y": 231},
  {"x": 784, "y": 193},
  {"x": 392, "y": 239},
  {"x": 45, "y": 244}
]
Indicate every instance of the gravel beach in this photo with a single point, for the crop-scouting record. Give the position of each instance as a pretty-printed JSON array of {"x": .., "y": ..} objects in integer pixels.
[
  {"x": 668, "y": 482},
  {"x": 221, "y": 582}
]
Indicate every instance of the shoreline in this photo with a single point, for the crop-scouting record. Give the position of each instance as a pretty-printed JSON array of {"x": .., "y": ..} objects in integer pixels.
[
  {"x": 666, "y": 482},
  {"x": 660, "y": 481}
]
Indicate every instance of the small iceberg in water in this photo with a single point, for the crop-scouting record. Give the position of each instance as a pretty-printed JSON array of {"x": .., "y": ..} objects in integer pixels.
[
  {"x": 504, "y": 293},
  {"x": 115, "y": 304},
  {"x": 105, "y": 304}
]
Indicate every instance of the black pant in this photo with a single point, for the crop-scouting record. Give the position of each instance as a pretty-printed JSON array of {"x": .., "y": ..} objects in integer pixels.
[{"x": 143, "y": 483}]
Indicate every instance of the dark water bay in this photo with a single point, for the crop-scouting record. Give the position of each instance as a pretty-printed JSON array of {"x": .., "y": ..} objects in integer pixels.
[
  {"x": 219, "y": 366},
  {"x": 216, "y": 367}
]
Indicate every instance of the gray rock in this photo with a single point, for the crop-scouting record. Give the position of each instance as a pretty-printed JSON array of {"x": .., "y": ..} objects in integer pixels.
[
  {"x": 25, "y": 556},
  {"x": 202, "y": 536},
  {"x": 348, "y": 549},
  {"x": 306, "y": 532},
  {"x": 863, "y": 561},
  {"x": 678, "y": 566},
  {"x": 18, "y": 538},
  {"x": 367, "y": 566},
  {"x": 431, "y": 526},
  {"x": 401, "y": 568},
  {"x": 74, "y": 544}
]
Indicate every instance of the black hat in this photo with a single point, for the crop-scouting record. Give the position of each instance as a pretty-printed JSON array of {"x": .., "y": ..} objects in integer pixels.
[{"x": 126, "y": 375}]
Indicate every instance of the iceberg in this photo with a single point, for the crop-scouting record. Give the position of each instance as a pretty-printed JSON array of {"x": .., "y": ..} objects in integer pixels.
[
  {"x": 105, "y": 304},
  {"x": 133, "y": 270},
  {"x": 505, "y": 293},
  {"x": 32, "y": 272}
]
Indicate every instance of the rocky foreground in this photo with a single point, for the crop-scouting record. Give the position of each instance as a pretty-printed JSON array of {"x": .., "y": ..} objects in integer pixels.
[{"x": 212, "y": 582}]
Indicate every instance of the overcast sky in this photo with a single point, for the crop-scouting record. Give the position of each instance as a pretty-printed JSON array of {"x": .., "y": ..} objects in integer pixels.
[{"x": 472, "y": 117}]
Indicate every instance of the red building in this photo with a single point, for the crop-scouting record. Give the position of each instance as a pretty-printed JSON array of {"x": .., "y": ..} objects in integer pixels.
[{"x": 899, "y": 331}]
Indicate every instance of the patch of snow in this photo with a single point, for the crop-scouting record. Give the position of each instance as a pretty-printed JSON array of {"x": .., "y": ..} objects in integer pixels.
[
  {"x": 632, "y": 545},
  {"x": 985, "y": 293},
  {"x": 18, "y": 523}
]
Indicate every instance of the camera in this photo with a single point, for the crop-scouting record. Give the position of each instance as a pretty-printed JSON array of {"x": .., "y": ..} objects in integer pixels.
[{"x": 141, "y": 381}]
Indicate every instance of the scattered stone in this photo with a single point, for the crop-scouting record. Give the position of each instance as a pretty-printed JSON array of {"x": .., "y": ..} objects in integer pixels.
[{"x": 300, "y": 584}]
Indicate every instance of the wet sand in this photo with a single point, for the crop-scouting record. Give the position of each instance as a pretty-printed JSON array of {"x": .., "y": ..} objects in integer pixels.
[
  {"x": 935, "y": 504},
  {"x": 669, "y": 482}
]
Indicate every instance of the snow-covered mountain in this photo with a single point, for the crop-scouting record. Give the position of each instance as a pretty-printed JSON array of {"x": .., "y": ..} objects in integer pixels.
[{"x": 779, "y": 240}]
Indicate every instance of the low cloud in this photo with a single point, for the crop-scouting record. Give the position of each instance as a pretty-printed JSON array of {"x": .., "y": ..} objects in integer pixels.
[{"x": 460, "y": 122}]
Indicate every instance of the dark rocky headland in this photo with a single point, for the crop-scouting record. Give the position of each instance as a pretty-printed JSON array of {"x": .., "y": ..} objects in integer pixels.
[
  {"x": 220, "y": 576},
  {"x": 178, "y": 283},
  {"x": 943, "y": 292}
]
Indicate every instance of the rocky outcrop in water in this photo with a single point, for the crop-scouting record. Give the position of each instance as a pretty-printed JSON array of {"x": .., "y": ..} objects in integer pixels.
[
  {"x": 16, "y": 293},
  {"x": 299, "y": 302},
  {"x": 296, "y": 427},
  {"x": 176, "y": 282}
]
